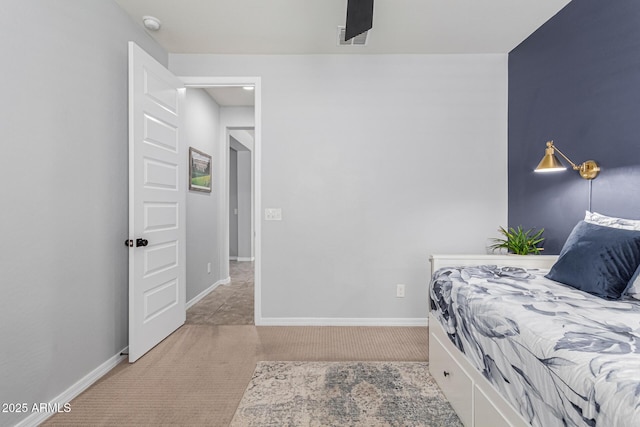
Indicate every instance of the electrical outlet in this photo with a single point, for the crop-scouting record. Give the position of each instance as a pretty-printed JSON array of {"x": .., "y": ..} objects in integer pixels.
[
  {"x": 273, "y": 214},
  {"x": 399, "y": 291}
]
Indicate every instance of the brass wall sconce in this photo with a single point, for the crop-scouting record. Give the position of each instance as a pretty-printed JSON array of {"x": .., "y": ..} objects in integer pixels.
[{"x": 550, "y": 163}]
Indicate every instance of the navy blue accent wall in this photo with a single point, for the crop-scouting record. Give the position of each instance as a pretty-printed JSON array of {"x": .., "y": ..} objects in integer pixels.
[{"x": 576, "y": 81}]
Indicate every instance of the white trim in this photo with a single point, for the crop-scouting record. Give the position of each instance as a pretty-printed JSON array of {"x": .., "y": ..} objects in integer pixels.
[
  {"x": 343, "y": 321},
  {"x": 524, "y": 261},
  {"x": 207, "y": 81},
  {"x": 241, "y": 259},
  {"x": 206, "y": 292},
  {"x": 257, "y": 222},
  {"x": 213, "y": 81},
  {"x": 72, "y": 392}
]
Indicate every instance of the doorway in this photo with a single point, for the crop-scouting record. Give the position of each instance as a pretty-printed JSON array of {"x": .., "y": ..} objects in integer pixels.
[{"x": 234, "y": 128}]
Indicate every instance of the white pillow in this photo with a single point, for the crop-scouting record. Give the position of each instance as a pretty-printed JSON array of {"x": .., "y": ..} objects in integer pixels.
[{"x": 610, "y": 221}]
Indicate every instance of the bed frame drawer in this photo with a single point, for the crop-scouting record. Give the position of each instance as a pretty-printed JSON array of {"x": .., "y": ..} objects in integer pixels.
[
  {"x": 452, "y": 379},
  {"x": 485, "y": 413},
  {"x": 474, "y": 399}
]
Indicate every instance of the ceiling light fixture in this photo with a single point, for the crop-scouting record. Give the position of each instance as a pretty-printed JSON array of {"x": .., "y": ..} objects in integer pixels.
[
  {"x": 248, "y": 87},
  {"x": 550, "y": 163},
  {"x": 151, "y": 23}
]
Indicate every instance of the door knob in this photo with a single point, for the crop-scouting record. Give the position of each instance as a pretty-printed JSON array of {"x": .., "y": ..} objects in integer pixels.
[{"x": 142, "y": 242}]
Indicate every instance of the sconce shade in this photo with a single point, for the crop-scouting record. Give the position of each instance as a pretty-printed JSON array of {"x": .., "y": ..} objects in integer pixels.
[{"x": 550, "y": 162}]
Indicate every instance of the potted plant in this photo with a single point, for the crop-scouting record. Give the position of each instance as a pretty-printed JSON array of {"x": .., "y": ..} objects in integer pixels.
[{"x": 518, "y": 241}]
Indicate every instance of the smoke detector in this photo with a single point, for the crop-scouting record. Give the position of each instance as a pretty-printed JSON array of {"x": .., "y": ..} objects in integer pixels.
[
  {"x": 359, "y": 40},
  {"x": 151, "y": 23}
]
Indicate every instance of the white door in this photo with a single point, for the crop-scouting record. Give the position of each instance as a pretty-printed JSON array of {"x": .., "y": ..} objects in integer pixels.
[{"x": 157, "y": 180}]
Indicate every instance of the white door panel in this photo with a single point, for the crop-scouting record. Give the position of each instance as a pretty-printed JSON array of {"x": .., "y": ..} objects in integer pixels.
[
  {"x": 160, "y": 216},
  {"x": 157, "y": 179}
]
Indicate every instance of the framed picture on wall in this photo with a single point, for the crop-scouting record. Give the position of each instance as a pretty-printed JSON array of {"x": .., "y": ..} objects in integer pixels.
[{"x": 199, "y": 171}]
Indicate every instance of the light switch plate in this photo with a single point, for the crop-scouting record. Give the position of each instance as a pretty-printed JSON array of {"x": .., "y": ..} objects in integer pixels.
[{"x": 273, "y": 214}]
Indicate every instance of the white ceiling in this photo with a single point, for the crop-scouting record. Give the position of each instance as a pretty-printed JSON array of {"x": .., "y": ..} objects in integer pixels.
[
  {"x": 231, "y": 96},
  {"x": 310, "y": 27}
]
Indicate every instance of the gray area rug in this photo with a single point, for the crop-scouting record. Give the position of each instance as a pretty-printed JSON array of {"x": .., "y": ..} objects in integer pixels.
[{"x": 343, "y": 394}]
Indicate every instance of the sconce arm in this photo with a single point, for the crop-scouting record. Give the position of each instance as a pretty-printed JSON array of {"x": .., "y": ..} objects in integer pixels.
[{"x": 573, "y": 165}]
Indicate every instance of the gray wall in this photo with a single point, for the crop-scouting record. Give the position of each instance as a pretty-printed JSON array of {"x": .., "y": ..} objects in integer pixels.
[
  {"x": 233, "y": 204},
  {"x": 245, "y": 206},
  {"x": 377, "y": 161},
  {"x": 202, "y": 120},
  {"x": 241, "y": 195},
  {"x": 64, "y": 192}
]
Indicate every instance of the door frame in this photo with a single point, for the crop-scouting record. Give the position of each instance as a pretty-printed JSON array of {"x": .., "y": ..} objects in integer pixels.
[
  {"x": 209, "y": 81},
  {"x": 228, "y": 135}
]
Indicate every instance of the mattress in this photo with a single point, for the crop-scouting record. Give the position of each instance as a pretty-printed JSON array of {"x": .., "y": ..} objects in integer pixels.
[{"x": 560, "y": 356}]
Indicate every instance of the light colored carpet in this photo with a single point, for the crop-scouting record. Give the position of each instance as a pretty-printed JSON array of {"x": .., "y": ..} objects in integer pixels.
[
  {"x": 198, "y": 375},
  {"x": 230, "y": 304},
  {"x": 343, "y": 394}
]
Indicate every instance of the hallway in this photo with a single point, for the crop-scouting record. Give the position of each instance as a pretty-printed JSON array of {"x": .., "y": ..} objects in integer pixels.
[{"x": 230, "y": 304}]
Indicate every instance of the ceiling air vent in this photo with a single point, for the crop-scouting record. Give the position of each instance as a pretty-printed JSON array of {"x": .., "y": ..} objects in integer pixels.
[{"x": 359, "y": 40}]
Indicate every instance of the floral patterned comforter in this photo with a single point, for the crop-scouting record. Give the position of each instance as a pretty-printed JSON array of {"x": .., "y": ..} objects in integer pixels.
[{"x": 562, "y": 357}]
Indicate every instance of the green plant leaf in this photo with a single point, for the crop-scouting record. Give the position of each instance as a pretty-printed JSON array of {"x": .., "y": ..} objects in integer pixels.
[{"x": 518, "y": 241}]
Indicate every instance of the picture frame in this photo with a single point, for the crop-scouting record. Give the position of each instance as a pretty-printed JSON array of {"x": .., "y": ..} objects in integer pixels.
[{"x": 199, "y": 171}]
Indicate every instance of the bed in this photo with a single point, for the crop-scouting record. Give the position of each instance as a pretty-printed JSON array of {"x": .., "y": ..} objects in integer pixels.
[{"x": 511, "y": 347}]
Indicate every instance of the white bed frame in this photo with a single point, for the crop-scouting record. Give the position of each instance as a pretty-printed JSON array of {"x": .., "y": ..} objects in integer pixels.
[{"x": 473, "y": 397}]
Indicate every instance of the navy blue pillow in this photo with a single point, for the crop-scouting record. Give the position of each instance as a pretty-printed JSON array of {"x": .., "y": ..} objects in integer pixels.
[{"x": 599, "y": 260}]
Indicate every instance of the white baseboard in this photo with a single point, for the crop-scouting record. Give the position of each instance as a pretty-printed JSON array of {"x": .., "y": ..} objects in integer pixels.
[
  {"x": 69, "y": 394},
  {"x": 245, "y": 259},
  {"x": 233, "y": 258},
  {"x": 341, "y": 321},
  {"x": 207, "y": 291}
]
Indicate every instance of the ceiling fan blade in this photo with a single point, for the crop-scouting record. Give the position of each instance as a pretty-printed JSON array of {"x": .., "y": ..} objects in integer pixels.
[{"x": 359, "y": 17}]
